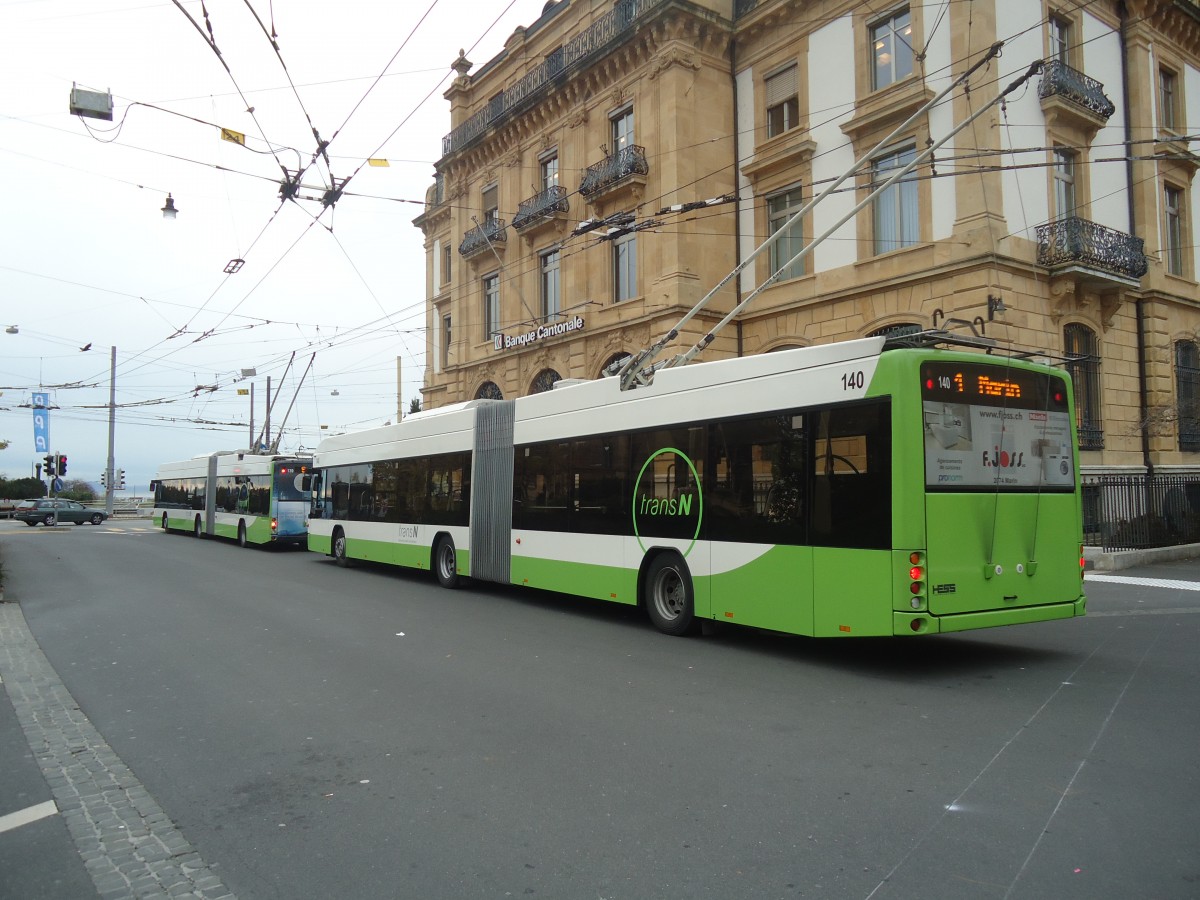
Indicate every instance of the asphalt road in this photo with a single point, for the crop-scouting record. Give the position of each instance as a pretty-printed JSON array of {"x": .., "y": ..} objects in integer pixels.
[{"x": 319, "y": 733}]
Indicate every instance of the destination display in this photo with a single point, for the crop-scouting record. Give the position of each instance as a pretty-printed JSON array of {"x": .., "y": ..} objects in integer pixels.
[{"x": 990, "y": 427}]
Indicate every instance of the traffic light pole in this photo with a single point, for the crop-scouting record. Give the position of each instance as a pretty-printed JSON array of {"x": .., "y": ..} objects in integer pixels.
[{"x": 112, "y": 431}]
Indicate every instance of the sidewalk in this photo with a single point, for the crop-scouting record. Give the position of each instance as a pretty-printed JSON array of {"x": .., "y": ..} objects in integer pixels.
[
  {"x": 38, "y": 857},
  {"x": 1112, "y": 560}
]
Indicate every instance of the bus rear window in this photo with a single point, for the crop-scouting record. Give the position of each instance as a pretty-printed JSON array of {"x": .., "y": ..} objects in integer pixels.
[{"x": 994, "y": 427}]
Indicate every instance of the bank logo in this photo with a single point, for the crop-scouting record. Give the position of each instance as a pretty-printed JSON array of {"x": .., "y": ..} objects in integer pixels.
[{"x": 667, "y": 502}]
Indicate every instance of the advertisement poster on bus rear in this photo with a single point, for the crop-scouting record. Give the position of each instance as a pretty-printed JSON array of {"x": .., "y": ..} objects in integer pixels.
[{"x": 968, "y": 447}]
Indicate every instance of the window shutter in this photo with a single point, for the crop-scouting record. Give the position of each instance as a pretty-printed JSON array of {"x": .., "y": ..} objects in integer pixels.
[{"x": 781, "y": 86}]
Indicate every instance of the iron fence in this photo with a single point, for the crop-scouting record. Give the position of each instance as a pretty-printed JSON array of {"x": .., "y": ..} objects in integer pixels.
[{"x": 1136, "y": 512}]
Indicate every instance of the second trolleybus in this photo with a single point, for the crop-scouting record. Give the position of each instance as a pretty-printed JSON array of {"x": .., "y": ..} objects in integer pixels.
[
  {"x": 837, "y": 490},
  {"x": 253, "y": 498}
]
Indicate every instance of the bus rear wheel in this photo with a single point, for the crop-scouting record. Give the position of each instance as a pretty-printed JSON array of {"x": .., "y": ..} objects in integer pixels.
[
  {"x": 164, "y": 524},
  {"x": 339, "y": 549},
  {"x": 668, "y": 597},
  {"x": 241, "y": 534},
  {"x": 197, "y": 531},
  {"x": 445, "y": 562}
]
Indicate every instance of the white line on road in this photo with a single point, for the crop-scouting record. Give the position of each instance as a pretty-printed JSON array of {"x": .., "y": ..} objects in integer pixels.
[
  {"x": 30, "y": 814},
  {"x": 1144, "y": 582}
]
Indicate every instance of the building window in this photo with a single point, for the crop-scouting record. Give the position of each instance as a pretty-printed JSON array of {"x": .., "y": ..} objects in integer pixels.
[
  {"x": 896, "y": 330},
  {"x": 1064, "y": 183},
  {"x": 624, "y": 268},
  {"x": 612, "y": 362},
  {"x": 622, "y": 130},
  {"x": 897, "y": 223},
  {"x": 783, "y": 104},
  {"x": 489, "y": 390},
  {"x": 1173, "y": 231},
  {"x": 1187, "y": 394},
  {"x": 780, "y": 208},
  {"x": 447, "y": 255},
  {"x": 491, "y": 204},
  {"x": 544, "y": 381},
  {"x": 447, "y": 336},
  {"x": 1083, "y": 363},
  {"x": 549, "y": 169},
  {"x": 491, "y": 306},
  {"x": 551, "y": 286},
  {"x": 1060, "y": 39},
  {"x": 891, "y": 49},
  {"x": 1167, "y": 100}
]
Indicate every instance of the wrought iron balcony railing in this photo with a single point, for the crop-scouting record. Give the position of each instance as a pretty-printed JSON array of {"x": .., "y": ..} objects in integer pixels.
[
  {"x": 492, "y": 231},
  {"x": 545, "y": 203},
  {"x": 629, "y": 160},
  {"x": 1077, "y": 242},
  {"x": 1060, "y": 79},
  {"x": 601, "y": 35}
]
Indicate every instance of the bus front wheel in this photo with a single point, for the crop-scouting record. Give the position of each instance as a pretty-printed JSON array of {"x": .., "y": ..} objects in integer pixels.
[
  {"x": 339, "y": 549},
  {"x": 196, "y": 529},
  {"x": 445, "y": 562},
  {"x": 241, "y": 534},
  {"x": 164, "y": 522},
  {"x": 668, "y": 596}
]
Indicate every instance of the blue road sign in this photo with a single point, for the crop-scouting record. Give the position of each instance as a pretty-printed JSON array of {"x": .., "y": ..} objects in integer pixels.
[{"x": 41, "y": 423}]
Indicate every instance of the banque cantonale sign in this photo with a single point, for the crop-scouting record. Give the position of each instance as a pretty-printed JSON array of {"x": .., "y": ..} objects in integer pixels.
[{"x": 525, "y": 338}]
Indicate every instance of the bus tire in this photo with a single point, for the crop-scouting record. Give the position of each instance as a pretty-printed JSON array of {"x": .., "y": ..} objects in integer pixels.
[
  {"x": 164, "y": 522},
  {"x": 338, "y": 548},
  {"x": 445, "y": 562},
  {"x": 241, "y": 534},
  {"x": 197, "y": 529},
  {"x": 668, "y": 597}
]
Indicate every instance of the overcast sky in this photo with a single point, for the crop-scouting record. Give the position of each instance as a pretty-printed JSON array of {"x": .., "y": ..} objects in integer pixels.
[{"x": 88, "y": 261}]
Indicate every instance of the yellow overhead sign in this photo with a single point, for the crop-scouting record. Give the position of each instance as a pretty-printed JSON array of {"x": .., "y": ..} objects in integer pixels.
[{"x": 228, "y": 134}]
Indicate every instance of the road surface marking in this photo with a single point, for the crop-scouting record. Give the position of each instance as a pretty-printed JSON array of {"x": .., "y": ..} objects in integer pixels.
[
  {"x": 30, "y": 814},
  {"x": 1144, "y": 582}
]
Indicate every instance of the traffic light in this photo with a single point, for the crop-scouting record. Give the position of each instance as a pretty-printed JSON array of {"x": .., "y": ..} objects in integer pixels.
[
  {"x": 48, "y": 465},
  {"x": 62, "y": 464},
  {"x": 104, "y": 478},
  {"x": 120, "y": 479}
]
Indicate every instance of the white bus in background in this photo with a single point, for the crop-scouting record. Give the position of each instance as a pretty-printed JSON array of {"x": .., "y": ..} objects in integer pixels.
[{"x": 254, "y": 498}]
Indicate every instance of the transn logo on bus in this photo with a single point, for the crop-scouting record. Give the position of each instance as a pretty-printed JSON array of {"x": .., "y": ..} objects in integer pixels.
[{"x": 667, "y": 499}]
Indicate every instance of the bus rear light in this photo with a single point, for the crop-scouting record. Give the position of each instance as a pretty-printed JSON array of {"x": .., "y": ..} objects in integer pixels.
[
  {"x": 914, "y": 557},
  {"x": 916, "y": 587},
  {"x": 274, "y": 524},
  {"x": 915, "y": 573}
]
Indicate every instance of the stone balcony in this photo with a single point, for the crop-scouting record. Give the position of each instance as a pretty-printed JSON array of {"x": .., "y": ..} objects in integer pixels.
[
  {"x": 1096, "y": 251},
  {"x": 627, "y": 166},
  {"x": 492, "y": 233},
  {"x": 545, "y": 206},
  {"x": 1072, "y": 98}
]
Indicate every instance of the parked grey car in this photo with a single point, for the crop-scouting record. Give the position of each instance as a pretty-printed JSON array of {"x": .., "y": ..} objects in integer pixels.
[{"x": 47, "y": 511}]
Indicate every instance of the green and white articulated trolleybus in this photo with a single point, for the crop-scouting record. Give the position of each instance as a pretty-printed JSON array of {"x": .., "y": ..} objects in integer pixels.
[
  {"x": 837, "y": 490},
  {"x": 254, "y": 498}
]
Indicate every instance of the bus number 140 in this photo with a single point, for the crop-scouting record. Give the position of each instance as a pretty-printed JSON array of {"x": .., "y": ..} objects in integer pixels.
[{"x": 853, "y": 381}]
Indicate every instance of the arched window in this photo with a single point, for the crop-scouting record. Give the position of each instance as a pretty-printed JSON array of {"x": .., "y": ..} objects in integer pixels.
[
  {"x": 489, "y": 390},
  {"x": 1187, "y": 394},
  {"x": 897, "y": 329},
  {"x": 784, "y": 347},
  {"x": 1083, "y": 362},
  {"x": 618, "y": 357},
  {"x": 544, "y": 381}
]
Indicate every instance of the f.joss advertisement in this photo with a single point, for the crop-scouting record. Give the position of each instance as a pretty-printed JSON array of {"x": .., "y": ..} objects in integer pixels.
[{"x": 969, "y": 447}]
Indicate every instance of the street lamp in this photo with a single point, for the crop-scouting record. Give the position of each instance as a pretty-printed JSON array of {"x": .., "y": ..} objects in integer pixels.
[{"x": 169, "y": 209}]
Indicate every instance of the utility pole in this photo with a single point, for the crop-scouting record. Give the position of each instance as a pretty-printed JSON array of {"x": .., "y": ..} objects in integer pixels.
[{"x": 112, "y": 433}]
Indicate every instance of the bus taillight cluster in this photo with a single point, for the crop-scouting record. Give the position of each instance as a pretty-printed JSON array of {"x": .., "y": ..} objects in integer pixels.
[{"x": 916, "y": 576}]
